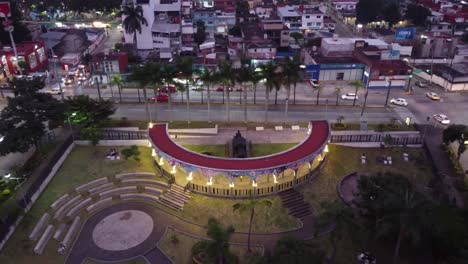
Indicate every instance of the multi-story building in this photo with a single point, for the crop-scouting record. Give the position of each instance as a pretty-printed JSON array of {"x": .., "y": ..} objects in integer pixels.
[
  {"x": 312, "y": 18},
  {"x": 162, "y": 35},
  {"x": 208, "y": 17},
  {"x": 276, "y": 31},
  {"x": 290, "y": 16}
]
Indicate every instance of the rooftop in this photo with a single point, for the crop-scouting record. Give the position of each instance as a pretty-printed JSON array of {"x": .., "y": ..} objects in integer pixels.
[{"x": 288, "y": 11}]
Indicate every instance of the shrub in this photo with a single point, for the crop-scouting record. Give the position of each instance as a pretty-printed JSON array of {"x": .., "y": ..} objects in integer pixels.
[
  {"x": 174, "y": 240},
  {"x": 131, "y": 152}
]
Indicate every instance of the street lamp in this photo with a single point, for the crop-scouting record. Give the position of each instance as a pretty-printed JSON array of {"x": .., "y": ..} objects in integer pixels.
[
  {"x": 70, "y": 126},
  {"x": 2, "y": 138}
]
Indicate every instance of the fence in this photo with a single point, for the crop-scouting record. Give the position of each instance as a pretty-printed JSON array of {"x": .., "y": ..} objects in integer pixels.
[
  {"x": 236, "y": 193},
  {"x": 396, "y": 138},
  {"x": 124, "y": 135},
  {"x": 24, "y": 196}
]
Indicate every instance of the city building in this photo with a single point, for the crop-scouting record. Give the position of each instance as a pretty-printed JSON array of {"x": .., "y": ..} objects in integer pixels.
[
  {"x": 33, "y": 53},
  {"x": 312, "y": 18},
  {"x": 290, "y": 16}
]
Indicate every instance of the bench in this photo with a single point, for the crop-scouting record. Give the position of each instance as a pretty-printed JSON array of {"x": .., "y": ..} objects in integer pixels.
[
  {"x": 135, "y": 175},
  {"x": 145, "y": 182},
  {"x": 59, "y": 201},
  {"x": 99, "y": 204},
  {"x": 59, "y": 231},
  {"x": 78, "y": 207},
  {"x": 139, "y": 196},
  {"x": 295, "y": 127},
  {"x": 40, "y": 224},
  {"x": 39, "y": 248},
  {"x": 91, "y": 184},
  {"x": 99, "y": 188},
  {"x": 259, "y": 128},
  {"x": 278, "y": 128},
  {"x": 118, "y": 191},
  {"x": 153, "y": 191},
  {"x": 61, "y": 211},
  {"x": 71, "y": 232}
]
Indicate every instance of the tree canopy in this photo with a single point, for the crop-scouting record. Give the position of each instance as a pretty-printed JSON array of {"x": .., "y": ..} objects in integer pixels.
[
  {"x": 391, "y": 14},
  {"x": 417, "y": 14},
  {"x": 200, "y": 35},
  {"x": 21, "y": 32},
  {"x": 87, "y": 111},
  {"x": 28, "y": 116},
  {"x": 368, "y": 10}
]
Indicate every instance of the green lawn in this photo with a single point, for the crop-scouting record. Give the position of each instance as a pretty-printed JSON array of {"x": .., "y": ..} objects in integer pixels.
[
  {"x": 181, "y": 251},
  {"x": 214, "y": 150},
  {"x": 84, "y": 164},
  {"x": 259, "y": 150},
  {"x": 345, "y": 160}
]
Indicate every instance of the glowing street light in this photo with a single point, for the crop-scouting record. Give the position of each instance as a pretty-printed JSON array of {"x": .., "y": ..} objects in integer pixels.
[
  {"x": 173, "y": 171},
  {"x": 231, "y": 185},
  {"x": 161, "y": 161},
  {"x": 190, "y": 177}
]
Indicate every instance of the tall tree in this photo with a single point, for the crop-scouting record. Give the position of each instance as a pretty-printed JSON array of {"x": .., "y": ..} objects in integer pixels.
[
  {"x": 200, "y": 35},
  {"x": 208, "y": 77},
  {"x": 142, "y": 75},
  {"x": 215, "y": 250},
  {"x": 249, "y": 206},
  {"x": 292, "y": 71},
  {"x": 184, "y": 66},
  {"x": 417, "y": 14},
  {"x": 227, "y": 77},
  {"x": 368, "y": 10},
  {"x": 391, "y": 14},
  {"x": 269, "y": 73},
  {"x": 117, "y": 81},
  {"x": 317, "y": 88},
  {"x": 168, "y": 74},
  {"x": 244, "y": 75},
  {"x": 28, "y": 116},
  {"x": 88, "y": 111},
  {"x": 338, "y": 93},
  {"x": 242, "y": 8},
  {"x": 458, "y": 133},
  {"x": 357, "y": 85},
  {"x": 133, "y": 20},
  {"x": 154, "y": 69}
]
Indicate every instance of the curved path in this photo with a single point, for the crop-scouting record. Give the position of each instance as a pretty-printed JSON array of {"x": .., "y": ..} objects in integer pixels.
[{"x": 85, "y": 247}]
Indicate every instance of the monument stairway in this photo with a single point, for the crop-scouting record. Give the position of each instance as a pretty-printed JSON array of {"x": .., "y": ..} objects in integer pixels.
[
  {"x": 294, "y": 202},
  {"x": 175, "y": 198}
]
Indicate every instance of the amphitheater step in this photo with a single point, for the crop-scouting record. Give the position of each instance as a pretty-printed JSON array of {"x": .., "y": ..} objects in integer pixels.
[
  {"x": 175, "y": 198},
  {"x": 294, "y": 202}
]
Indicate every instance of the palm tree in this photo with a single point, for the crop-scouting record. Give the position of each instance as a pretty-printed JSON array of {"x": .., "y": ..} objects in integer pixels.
[
  {"x": 338, "y": 93},
  {"x": 357, "y": 85},
  {"x": 243, "y": 75},
  {"x": 317, "y": 88},
  {"x": 254, "y": 80},
  {"x": 208, "y": 78},
  {"x": 155, "y": 70},
  {"x": 184, "y": 66},
  {"x": 249, "y": 206},
  {"x": 117, "y": 81},
  {"x": 215, "y": 250},
  {"x": 133, "y": 20},
  {"x": 292, "y": 70},
  {"x": 168, "y": 73},
  {"x": 227, "y": 77},
  {"x": 142, "y": 75},
  {"x": 269, "y": 73}
]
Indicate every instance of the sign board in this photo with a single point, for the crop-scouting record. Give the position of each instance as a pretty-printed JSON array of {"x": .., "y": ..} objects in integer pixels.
[
  {"x": 5, "y": 9},
  {"x": 405, "y": 33}
]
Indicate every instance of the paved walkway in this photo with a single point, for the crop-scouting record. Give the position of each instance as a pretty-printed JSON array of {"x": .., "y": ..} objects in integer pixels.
[
  {"x": 86, "y": 248},
  {"x": 433, "y": 141}
]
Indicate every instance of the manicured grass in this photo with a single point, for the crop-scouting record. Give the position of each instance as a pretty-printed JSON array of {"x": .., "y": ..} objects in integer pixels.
[
  {"x": 275, "y": 218},
  {"x": 345, "y": 160},
  {"x": 181, "y": 251},
  {"x": 259, "y": 150},
  {"x": 84, "y": 164},
  {"x": 375, "y": 127},
  {"x": 214, "y": 150}
]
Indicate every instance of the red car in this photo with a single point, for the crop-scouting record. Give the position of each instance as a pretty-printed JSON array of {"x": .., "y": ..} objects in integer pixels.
[
  {"x": 161, "y": 98},
  {"x": 221, "y": 88},
  {"x": 164, "y": 89}
]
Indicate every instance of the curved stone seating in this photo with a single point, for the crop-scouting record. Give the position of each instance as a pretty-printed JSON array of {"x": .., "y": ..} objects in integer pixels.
[
  {"x": 59, "y": 232},
  {"x": 72, "y": 202},
  {"x": 91, "y": 184},
  {"x": 145, "y": 182},
  {"x": 118, "y": 191},
  {"x": 152, "y": 190},
  {"x": 100, "y": 188},
  {"x": 139, "y": 196},
  {"x": 71, "y": 232},
  {"x": 39, "y": 248},
  {"x": 135, "y": 175},
  {"x": 99, "y": 204},
  {"x": 60, "y": 201},
  {"x": 73, "y": 211},
  {"x": 40, "y": 224}
]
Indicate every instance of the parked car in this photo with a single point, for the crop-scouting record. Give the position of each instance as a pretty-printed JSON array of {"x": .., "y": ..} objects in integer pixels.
[
  {"x": 164, "y": 89},
  {"x": 161, "y": 98},
  {"x": 314, "y": 83},
  {"x": 221, "y": 88},
  {"x": 421, "y": 84},
  {"x": 349, "y": 96},
  {"x": 399, "y": 101},
  {"x": 433, "y": 96},
  {"x": 441, "y": 118}
]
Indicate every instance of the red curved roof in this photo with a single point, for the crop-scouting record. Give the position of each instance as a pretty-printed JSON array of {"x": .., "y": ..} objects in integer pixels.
[{"x": 314, "y": 142}]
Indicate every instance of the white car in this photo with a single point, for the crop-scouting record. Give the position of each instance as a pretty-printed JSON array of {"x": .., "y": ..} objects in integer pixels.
[
  {"x": 441, "y": 118},
  {"x": 399, "y": 101},
  {"x": 349, "y": 96},
  {"x": 433, "y": 96},
  {"x": 53, "y": 91},
  {"x": 314, "y": 83}
]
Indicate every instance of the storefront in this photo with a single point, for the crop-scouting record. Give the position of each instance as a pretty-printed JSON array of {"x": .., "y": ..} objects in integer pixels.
[{"x": 33, "y": 53}]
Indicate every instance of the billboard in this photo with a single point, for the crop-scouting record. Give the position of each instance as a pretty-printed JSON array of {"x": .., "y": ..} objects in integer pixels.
[
  {"x": 405, "y": 33},
  {"x": 5, "y": 9}
]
